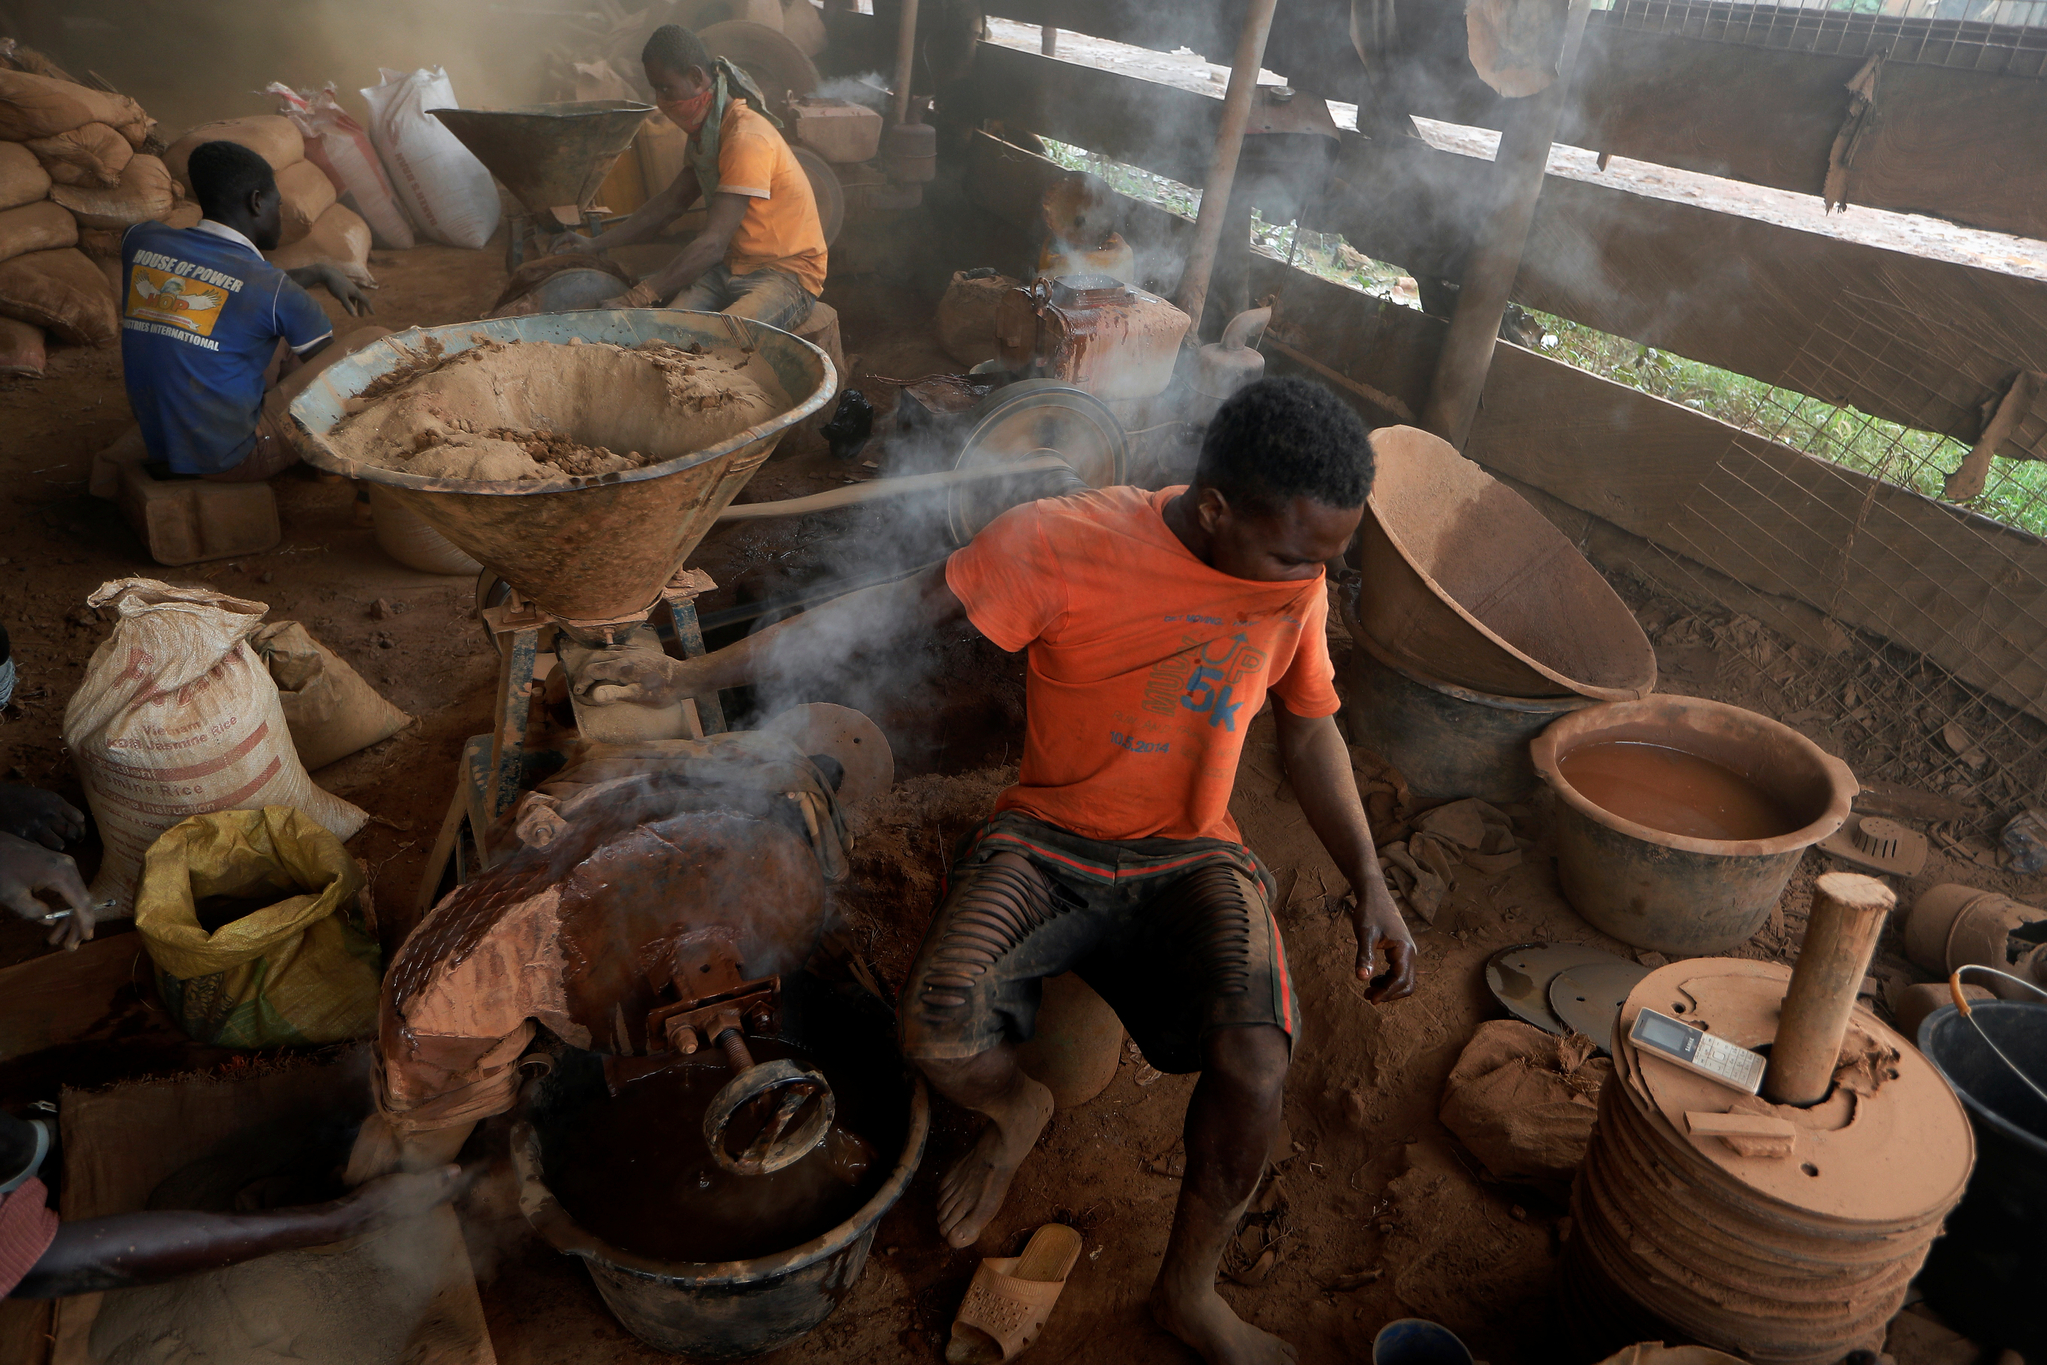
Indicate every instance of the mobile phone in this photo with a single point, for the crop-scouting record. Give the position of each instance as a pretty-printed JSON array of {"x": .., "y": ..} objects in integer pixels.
[{"x": 1697, "y": 1050}]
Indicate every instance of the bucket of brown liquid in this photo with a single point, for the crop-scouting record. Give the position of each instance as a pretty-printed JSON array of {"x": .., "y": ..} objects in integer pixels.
[
  {"x": 1679, "y": 820},
  {"x": 704, "y": 1264}
]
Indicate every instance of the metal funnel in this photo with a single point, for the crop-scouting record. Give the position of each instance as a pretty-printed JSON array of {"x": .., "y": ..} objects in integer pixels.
[
  {"x": 549, "y": 155},
  {"x": 593, "y": 549}
]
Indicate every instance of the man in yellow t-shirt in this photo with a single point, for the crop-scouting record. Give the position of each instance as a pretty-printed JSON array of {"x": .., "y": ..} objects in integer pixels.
[{"x": 761, "y": 254}]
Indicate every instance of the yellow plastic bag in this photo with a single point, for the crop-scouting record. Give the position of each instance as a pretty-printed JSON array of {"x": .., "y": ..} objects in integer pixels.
[{"x": 300, "y": 970}]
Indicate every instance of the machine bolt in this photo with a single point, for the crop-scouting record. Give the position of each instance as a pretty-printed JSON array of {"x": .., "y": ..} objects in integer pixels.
[{"x": 682, "y": 1038}]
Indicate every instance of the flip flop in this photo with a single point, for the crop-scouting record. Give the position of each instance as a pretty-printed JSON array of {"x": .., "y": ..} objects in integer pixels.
[{"x": 1011, "y": 1297}]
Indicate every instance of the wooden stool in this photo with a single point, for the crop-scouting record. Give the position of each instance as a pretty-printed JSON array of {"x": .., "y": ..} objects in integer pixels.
[
  {"x": 821, "y": 329},
  {"x": 184, "y": 521}
]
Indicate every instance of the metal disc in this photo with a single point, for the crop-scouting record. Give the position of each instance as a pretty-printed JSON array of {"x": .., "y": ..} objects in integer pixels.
[
  {"x": 825, "y": 188},
  {"x": 1589, "y": 997},
  {"x": 1029, "y": 418},
  {"x": 821, "y": 727},
  {"x": 776, "y": 64},
  {"x": 1519, "y": 978}
]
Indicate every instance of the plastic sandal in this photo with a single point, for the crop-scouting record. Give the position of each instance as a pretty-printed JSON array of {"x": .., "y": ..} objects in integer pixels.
[{"x": 1011, "y": 1297}]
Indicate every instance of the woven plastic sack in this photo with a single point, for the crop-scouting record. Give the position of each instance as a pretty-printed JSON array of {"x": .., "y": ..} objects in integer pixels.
[
  {"x": 176, "y": 717},
  {"x": 273, "y": 137},
  {"x": 340, "y": 146},
  {"x": 339, "y": 238},
  {"x": 1523, "y": 1100},
  {"x": 446, "y": 191},
  {"x": 300, "y": 970},
  {"x": 22, "y": 178},
  {"x": 331, "y": 710},
  {"x": 61, "y": 292}
]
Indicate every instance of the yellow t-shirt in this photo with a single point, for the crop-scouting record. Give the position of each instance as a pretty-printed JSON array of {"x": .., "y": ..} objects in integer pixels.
[{"x": 781, "y": 227}]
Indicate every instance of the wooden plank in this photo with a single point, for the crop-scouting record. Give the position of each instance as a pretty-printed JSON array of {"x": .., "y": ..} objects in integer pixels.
[
  {"x": 1959, "y": 144},
  {"x": 1917, "y": 341},
  {"x": 1922, "y": 342},
  {"x": 1968, "y": 593}
]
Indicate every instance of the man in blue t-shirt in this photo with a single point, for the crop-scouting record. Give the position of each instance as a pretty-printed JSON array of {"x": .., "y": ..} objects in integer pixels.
[{"x": 203, "y": 316}]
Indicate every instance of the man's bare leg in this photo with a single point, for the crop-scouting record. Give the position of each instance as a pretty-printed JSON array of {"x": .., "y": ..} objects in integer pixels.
[
  {"x": 1017, "y": 1109},
  {"x": 1232, "y": 1121}
]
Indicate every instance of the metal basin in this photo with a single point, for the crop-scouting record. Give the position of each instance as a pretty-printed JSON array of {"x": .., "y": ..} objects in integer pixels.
[
  {"x": 733, "y": 1310},
  {"x": 1467, "y": 583},
  {"x": 587, "y": 549}
]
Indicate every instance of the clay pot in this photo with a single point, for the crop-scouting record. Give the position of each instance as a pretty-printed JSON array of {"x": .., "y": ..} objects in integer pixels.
[
  {"x": 1952, "y": 925},
  {"x": 1077, "y": 1044},
  {"x": 1671, "y": 893}
]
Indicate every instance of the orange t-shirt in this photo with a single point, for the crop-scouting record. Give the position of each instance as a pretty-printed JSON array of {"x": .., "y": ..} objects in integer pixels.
[
  {"x": 1145, "y": 666},
  {"x": 781, "y": 227}
]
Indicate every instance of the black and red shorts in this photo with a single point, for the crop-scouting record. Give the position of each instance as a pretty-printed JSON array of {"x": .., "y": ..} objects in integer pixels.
[{"x": 1176, "y": 934}]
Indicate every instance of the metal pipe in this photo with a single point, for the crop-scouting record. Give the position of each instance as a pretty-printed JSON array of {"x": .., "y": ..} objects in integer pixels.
[
  {"x": 1222, "y": 167},
  {"x": 1840, "y": 938},
  {"x": 906, "y": 59},
  {"x": 1518, "y": 170}
]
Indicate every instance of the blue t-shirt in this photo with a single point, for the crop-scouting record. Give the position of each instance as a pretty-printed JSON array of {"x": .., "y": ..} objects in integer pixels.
[{"x": 201, "y": 315}]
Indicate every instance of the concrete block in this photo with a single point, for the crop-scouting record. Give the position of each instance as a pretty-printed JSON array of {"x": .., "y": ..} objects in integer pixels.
[{"x": 185, "y": 521}]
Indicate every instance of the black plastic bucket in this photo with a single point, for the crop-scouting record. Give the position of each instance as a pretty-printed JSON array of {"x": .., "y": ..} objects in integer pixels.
[
  {"x": 1985, "y": 1275},
  {"x": 732, "y": 1310}
]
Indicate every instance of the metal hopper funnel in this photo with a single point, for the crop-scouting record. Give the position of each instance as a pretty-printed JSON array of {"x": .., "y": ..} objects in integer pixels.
[
  {"x": 591, "y": 551},
  {"x": 549, "y": 155}
]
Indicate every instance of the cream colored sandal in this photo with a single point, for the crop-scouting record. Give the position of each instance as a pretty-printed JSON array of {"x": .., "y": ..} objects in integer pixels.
[{"x": 1011, "y": 1297}]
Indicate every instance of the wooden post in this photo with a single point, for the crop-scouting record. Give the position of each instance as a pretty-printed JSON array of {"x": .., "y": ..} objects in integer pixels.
[
  {"x": 1840, "y": 938},
  {"x": 1496, "y": 257},
  {"x": 1222, "y": 167},
  {"x": 906, "y": 59}
]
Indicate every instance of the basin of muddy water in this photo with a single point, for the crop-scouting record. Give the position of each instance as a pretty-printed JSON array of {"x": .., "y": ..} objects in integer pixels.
[
  {"x": 1680, "y": 820},
  {"x": 696, "y": 1260}
]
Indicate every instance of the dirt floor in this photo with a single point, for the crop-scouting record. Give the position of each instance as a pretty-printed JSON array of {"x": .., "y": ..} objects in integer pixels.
[{"x": 1374, "y": 1210}]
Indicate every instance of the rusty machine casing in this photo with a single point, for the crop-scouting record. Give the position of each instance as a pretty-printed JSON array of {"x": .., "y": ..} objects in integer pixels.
[{"x": 1094, "y": 332}]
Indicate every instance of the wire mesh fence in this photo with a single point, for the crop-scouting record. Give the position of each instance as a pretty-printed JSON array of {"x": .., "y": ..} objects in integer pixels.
[{"x": 2005, "y": 37}]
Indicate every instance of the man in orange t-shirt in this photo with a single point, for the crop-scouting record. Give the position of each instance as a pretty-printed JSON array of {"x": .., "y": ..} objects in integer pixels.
[
  {"x": 761, "y": 253},
  {"x": 1157, "y": 625}
]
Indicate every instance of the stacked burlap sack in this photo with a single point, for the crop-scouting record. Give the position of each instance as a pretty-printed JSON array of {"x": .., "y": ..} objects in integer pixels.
[
  {"x": 316, "y": 226},
  {"x": 77, "y": 169}
]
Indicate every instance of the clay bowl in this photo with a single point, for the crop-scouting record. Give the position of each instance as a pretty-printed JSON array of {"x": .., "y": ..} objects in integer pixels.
[
  {"x": 1465, "y": 582},
  {"x": 1671, "y": 893}
]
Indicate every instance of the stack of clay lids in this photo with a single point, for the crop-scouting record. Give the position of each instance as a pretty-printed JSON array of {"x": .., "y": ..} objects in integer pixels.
[{"x": 1796, "y": 1253}]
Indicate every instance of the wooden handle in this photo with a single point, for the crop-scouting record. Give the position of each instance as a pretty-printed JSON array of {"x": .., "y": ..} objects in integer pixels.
[{"x": 1848, "y": 913}]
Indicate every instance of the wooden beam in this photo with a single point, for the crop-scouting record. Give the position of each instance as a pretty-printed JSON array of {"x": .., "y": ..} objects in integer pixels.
[
  {"x": 1966, "y": 592},
  {"x": 1953, "y": 142},
  {"x": 1917, "y": 341}
]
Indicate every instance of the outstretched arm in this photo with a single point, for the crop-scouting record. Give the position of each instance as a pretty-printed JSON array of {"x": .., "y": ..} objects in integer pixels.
[
  {"x": 705, "y": 250},
  {"x": 642, "y": 224},
  {"x": 870, "y": 618},
  {"x": 129, "y": 1249},
  {"x": 1318, "y": 764}
]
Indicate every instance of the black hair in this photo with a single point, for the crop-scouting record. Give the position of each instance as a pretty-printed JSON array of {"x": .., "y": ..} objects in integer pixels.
[
  {"x": 1286, "y": 438},
  {"x": 223, "y": 175},
  {"x": 675, "y": 48}
]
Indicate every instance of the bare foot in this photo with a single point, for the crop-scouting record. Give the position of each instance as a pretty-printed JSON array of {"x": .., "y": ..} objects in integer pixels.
[
  {"x": 1219, "y": 1336},
  {"x": 973, "y": 1190}
]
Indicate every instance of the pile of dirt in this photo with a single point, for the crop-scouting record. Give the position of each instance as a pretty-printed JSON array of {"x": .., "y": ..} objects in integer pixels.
[{"x": 505, "y": 412}]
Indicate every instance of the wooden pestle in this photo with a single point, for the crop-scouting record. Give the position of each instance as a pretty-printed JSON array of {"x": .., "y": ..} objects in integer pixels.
[{"x": 1840, "y": 938}]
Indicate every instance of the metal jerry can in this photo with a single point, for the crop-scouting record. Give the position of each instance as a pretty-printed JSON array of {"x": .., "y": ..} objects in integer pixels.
[{"x": 1091, "y": 331}]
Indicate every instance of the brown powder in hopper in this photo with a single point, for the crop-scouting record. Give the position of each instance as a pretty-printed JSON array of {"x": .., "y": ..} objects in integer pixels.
[
  {"x": 1674, "y": 791},
  {"x": 536, "y": 411}
]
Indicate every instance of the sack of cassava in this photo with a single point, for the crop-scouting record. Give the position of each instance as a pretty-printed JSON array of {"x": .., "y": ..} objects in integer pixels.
[
  {"x": 306, "y": 193},
  {"x": 253, "y": 921},
  {"x": 21, "y": 348},
  {"x": 340, "y": 238},
  {"x": 340, "y": 146},
  {"x": 142, "y": 193},
  {"x": 446, "y": 191},
  {"x": 270, "y": 136},
  {"x": 186, "y": 213},
  {"x": 177, "y": 717},
  {"x": 36, "y": 227},
  {"x": 34, "y": 106},
  {"x": 62, "y": 292},
  {"x": 92, "y": 155},
  {"x": 22, "y": 178},
  {"x": 331, "y": 710}
]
